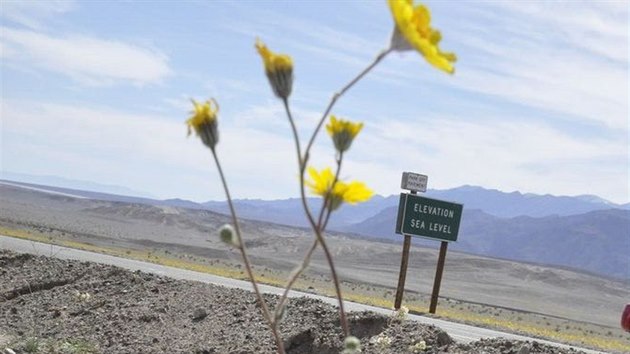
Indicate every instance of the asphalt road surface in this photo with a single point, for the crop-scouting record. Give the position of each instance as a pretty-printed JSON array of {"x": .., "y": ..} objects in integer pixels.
[{"x": 459, "y": 332}]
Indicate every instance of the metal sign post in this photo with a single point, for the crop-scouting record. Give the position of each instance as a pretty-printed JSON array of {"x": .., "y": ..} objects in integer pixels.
[{"x": 429, "y": 218}]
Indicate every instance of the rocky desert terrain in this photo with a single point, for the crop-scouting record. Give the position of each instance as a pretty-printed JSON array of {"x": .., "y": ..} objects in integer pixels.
[
  {"x": 49, "y": 305},
  {"x": 559, "y": 304}
]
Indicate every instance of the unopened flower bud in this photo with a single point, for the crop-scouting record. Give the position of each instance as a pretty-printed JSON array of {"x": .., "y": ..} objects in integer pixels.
[
  {"x": 279, "y": 70},
  {"x": 352, "y": 344},
  {"x": 342, "y": 132},
  {"x": 419, "y": 347},
  {"x": 228, "y": 235},
  {"x": 204, "y": 122}
]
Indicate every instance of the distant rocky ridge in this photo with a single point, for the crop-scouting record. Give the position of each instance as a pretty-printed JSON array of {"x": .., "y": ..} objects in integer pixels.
[
  {"x": 597, "y": 241},
  {"x": 490, "y": 201}
]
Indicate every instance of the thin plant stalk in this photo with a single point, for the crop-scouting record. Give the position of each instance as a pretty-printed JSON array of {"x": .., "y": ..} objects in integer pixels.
[
  {"x": 304, "y": 161},
  {"x": 307, "y": 257},
  {"x": 328, "y": 196},
  {"x": 248, "y": 267},
  {"x": 317, "y": 228},
  {"x": 337, "y": 95},
  {"x": 296, "y": 137},
  {"x": 318, "y": 232}
]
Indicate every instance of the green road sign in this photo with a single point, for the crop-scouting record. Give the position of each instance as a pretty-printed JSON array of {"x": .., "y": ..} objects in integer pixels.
[{"x": 426, "y": 217}]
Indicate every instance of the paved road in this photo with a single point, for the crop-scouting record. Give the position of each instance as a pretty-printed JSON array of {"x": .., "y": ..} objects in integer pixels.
[
  {"x": 43, "y": 190},
  {"x": 460, "y": 332}
]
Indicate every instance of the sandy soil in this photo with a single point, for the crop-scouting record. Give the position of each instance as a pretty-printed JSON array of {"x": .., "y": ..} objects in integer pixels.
[{"x": 49, "y": 305}]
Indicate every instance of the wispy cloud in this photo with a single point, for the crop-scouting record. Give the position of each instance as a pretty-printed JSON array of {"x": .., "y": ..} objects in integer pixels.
[
  {"x": 34, "y": 14},
  {"x": 539, "y": 102},
  {"x": 595, "y": 27},
  {"x": 88, "y": 60},
  {"x": 112, "y": 146},
  {"x": 527, "y": 156},
  {"x": 575, "y": 63}
]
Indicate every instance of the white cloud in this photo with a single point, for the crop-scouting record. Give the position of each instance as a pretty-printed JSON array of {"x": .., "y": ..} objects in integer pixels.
[
  {"x": 144, "y": 152},
  {"x": 150, "y": 152},
  {"x": 597, "y": 27},
  {"x": 569, "y": 60},
  {"x": 564, "y": 68},
  {"x": 530, "y": 157},
  {"x": 34, "y": 14},
  {"x": 86, "y": 59}
]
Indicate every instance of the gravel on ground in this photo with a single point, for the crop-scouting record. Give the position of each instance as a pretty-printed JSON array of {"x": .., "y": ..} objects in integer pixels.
[{"x": 49, "y": 305}]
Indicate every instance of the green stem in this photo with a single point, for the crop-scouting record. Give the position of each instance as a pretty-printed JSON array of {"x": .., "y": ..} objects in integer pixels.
[{"x": 248, "y": 267}]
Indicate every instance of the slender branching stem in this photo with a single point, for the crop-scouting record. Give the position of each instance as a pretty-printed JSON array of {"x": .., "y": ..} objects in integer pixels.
[
  {"x": 326, "y": 208},
  {"x": 329, "y": 211},
  {"x": 248, "y": 267},
  {"x": 317, "y": 227},
  {"x": 318, "y": 233},
  {"x": 337, "y": 95},
  {"x": 307, "y": 257},
  {"x": 319, "y": 238},
  {"x": 296, "y": 137}
]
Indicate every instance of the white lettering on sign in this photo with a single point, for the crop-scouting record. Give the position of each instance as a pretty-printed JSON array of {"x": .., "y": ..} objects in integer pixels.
[
  {"x": 431, "y": 210},
  {"x": 445, "y": 229},
  {"x": 417, "y": 224}
]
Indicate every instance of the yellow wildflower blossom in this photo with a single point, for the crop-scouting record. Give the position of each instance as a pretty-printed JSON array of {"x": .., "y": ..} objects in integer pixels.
[
  {"x": 321, "y": 181},
  {"x": 273, "y": 62},
  {"x": 342, "y": 132},
  {"x": 279, "y": 70},
  {"x": 414, "y": 24},
  {"x": 353, "y": 192},
  {"x": 322, "y": 184},
  {"x": 204, "y": 122}
]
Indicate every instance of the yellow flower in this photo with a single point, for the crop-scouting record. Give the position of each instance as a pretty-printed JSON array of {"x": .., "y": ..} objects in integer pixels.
[
  {"x": 342, "y": 132},
  {"x": 321, "y": 181},
  {"x": 353, "y": 192},
  {"x": 322, "y": 184},
  {"x": 279, "y": 70},
  {"x": 204, "y": 122},
  {"x": 414, "y": 24},
  {"x": 273, "y": 62}
]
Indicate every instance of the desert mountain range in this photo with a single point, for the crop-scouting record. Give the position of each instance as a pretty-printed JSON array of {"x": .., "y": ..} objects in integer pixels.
[{"x": 586, "y": 233}]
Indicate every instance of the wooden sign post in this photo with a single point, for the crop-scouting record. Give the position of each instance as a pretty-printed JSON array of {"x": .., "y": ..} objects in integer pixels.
[
  {"x": 404, "y": 261},
  {"x": 429, "y": 218},
  {"x": 438, "y": 277}
]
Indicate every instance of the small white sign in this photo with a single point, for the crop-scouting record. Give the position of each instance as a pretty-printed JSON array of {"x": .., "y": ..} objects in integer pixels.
[{"x": 414, "y": 182}]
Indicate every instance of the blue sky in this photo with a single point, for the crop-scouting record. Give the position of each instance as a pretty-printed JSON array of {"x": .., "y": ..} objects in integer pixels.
[{"x": 99, "y": 91}]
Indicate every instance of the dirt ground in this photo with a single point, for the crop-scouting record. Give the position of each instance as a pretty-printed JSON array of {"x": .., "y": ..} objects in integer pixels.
[{"x": 49, "y": 305}]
